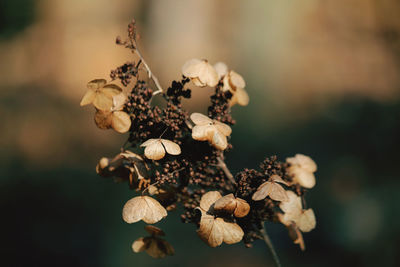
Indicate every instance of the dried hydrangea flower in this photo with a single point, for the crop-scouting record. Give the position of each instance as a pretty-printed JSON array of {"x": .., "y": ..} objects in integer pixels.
[
  {"x": 210, "y": 130},
  {"x": 302, "y": 169},
  {"x": 200, "y": 72},
  {"x": 271, "y": 188},
  {"x": 143, "y": 208},
  {"x": 294, "y": 213},
  {"x": 221, "y": 68},
  {"x": 230, "y": 204},
  {"x": 117, "y": 119},
  {"x": 100, "y": 94},
  {"x": 153, "y": 245},
  {"x": 155, "y": 148},
  {"x": 234, "y": 83},
  {"x": 215, "y": 230}
]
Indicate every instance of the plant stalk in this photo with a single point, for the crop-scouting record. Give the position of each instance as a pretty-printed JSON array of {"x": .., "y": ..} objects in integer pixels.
[{"x": 267, "y": 241}]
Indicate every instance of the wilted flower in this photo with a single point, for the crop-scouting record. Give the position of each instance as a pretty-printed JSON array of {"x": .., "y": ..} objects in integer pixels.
[
  {"x": 230, "y": 204},
  {"x": 119, "y": 120},
  {"x": 271, "y": 188},
  {"x": 143, "y": 208},
  {"x": 234, "y": 83},
  {"x": 215, "y": 230},
  {"x": 155, "y": 148},
  {"x": 210, "y": 130},
  {"x": 100, "y": 94},
  {"x": 294, "y": 213},
  {"x": 200, "y": 72},
  {"x": 153, "y": 245},
  {"x": 302, "y": 169}
]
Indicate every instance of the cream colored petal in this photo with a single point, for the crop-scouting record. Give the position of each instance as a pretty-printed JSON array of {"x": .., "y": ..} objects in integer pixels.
[
  {"x": 103, "y": 119},
  {"x": 226, "y": 204},
  {"x": 121, "y": 121},
  {"x": 303, "y": 177},
  {"x": 171, "y": 147},
  {"x": 155, "y": 212},
  {"x": 277, "y": 179},
  {"x": 242, "y": 208},
  {"x": 226, "y": 85},
  {"x": 139, "y": 245},
  {"x": 242, "y": 97},
  {"x": 223, "y": 128},
  {"x": 192, "y": 67},
  {"x": 234, "y": 100},
  {"x": 119, "y": 101},
  {"x": 200, "y": 119},
  {"x": 103, "y": 102},
  {"x": 306, "y": 221},
  {"x": 293, "y": 205},
  {"x": 154, "y": 151},
  {"x": 219, "y": 141},
  {"x": 208, "y": 75},
  {"x": 221, "y": 69},
  {"x": 134, "y": 210},
  {"x": 198, "y": 82},
  {"x": 88, "y": 98},
  {"x": 150, "y": 142},
  {"x": 208, "y": 199},
  {"x": 111, "y": 90},
  {"x": 203, "y": 132},
  {"x": 303, "y": 161},
  {"x": 262, "y": 191},
  {"x": 231, "y": 231},
  {"x": 96, "y": 84},
  {"x": 236, "y": 80},
  {"x": 277, "y": 193}
]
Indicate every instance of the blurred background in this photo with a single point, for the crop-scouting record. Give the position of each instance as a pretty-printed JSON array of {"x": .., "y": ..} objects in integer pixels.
[{"x": 323, "y": 78}]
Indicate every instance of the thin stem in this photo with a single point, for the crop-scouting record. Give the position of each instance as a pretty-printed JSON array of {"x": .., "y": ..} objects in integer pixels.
[
  {"x": 267, "y": 240},
  {"x": 222, "y": 165}
]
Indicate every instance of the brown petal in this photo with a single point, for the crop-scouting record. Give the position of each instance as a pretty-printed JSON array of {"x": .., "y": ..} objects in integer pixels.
[
  {"x": 296, "y": 236},
  {"x": 226, "y": 204},
  {"x": 208, "y": 199},
  {"x": 154, "y": 230},
  {"x": 211, "y": 230},
  {"x": 232, "y": 232},
  {"x": 242, "y": 208},
  {"x": 143, "y": 208},
  {"x": 121, "y": 121},
  {"x": 103, "y": 119},
  {"x": 96, "y": 84}
]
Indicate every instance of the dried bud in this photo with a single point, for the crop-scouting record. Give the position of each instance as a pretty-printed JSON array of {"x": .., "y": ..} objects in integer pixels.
[
  {"x": 155, "y": 148},
  {"x": 143, "y": 208}
]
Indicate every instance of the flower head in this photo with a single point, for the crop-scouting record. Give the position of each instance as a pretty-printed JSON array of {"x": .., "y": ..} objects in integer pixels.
[
  {"x": 200, "y": 72},
  {"x": 100, "y": 94},
  {"x": 302, "y": 169},
  {"x": 155, "y": 148}
]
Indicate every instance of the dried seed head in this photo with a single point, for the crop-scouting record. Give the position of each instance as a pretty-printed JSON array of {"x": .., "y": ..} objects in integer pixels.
[
  {"x": 143, "y": 208},
  {"x": 201, "y": 72}
]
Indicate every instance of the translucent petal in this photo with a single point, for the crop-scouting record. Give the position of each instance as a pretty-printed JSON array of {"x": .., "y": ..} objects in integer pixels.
[
  {"x": 96, "y": 84},
  {"x": 154, "y": 151},
  {"x": 171, "y": 147},
  {"x": 242, "y": 97},
  {"x": 111, "y": 90},
  {"x": 203, "y": 132},
  {"x": 200, "y": 119},
  {"x": 306, "y": 221},
  {"x": 88, "y": 97},
  {"x": 221, "y": 69},
  {"x": 219, "y": 141},
  {"x": 103, "y": 102},
  {"x": 232, "y": 232},
  {"x": 192, "y": 67},
  {"x": 223, "y": 128},
  {"x": 121, "y": 121},
  {"x": 149, "y": 142},
  {"x": 139, "y": 245},
  {"x": 236, "y": 80}
]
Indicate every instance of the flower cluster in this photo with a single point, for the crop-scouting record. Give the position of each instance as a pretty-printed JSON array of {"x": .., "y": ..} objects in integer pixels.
[{"x": 172, "y": 157}]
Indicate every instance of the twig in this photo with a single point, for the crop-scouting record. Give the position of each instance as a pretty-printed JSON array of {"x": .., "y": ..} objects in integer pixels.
[
  {"x": 267, "y": 240},
  {"x": 222, "y": 165}
]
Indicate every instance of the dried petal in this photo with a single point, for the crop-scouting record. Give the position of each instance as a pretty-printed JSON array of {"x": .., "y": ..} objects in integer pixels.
[
  {"x": 88, "y": 97},
  {"x": 306, "y": 221},
  {"x": 226, "y": 204},
  {"x": 121, "y": 121},
  {"x": 143, "y": 208},
  {"x": 203, "y": 132},
  {"x": 103, "y": 119},
  {"x": 200, "y": 119},
  {"x": 96, "y": 84},
  {"x": 154, "y": 230},
  {"x": 139, "y": 245},
  {"x": 209, "y": 199},
  {"x": 240, "y": 97},
  {"x": 171, "y": 147},
  {"x": 201, "y": 72},
  {"x": 154, "y": 151},
  {"x": 242, "y": 208},
  {"x": 303, "y": 161},
  {"x": 296, "y": 236},
  {"x": 119, "y": 101},
  {"x": 293, "y": 206},
  {"x": 236, "y": 80},
  {"x": 271, "y": 189},
  {"x": 191, "y": 68},
  {"x": 223, "y": 128},
  {"x": 302, "y": 177},
  {"x": 221, "y": 68},
  {"x": 219, "y": 141}
]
